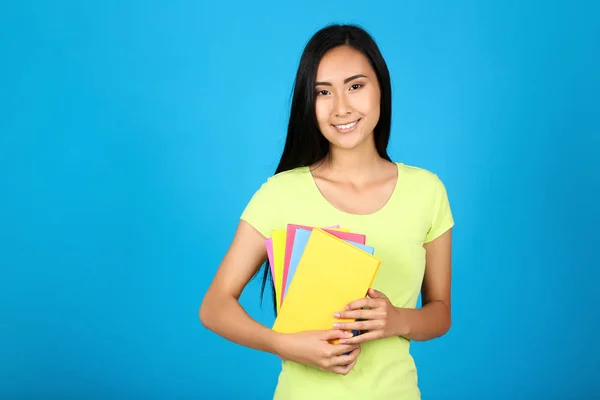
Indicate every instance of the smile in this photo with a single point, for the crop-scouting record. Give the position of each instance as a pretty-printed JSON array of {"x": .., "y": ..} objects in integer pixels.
[{"x": 347, "y": 127}]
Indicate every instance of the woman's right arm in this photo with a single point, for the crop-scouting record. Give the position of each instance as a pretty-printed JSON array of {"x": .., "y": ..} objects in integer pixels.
[
  {"x": 220, "y": 310},
  {"x": 222, "y": 313}
]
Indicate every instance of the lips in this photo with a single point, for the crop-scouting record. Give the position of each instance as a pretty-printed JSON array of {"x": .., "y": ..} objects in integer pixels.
[{"x": 349, "y": 127}]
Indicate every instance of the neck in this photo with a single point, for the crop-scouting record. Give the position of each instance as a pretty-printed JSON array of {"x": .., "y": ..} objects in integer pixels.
[{"x": 356, "y": 164}]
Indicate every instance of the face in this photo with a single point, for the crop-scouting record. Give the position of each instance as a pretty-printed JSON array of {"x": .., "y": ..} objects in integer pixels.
[{"x": 348, "y": 98}]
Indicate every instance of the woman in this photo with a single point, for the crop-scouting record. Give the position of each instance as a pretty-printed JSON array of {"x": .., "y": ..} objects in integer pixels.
[{"x": 335, "y": 170}]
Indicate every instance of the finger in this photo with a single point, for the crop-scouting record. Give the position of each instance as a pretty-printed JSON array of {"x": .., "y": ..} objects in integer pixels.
[
  {"x": 365, "y": 337},
  {"x": 348, "y": 368},
  {"x": 343, "y": 370},
  {"x": 373, "y": 313},
  {"x": 361, "y": 326},
  {"x": 337, "y": 350},
  {"x": 376, "y": 294},
  {"x": 345, "y": 359},
  {"x": 354, "y": 353},
  {"x": 333, "y": 334},
  {"x": 362, "y": 303}
]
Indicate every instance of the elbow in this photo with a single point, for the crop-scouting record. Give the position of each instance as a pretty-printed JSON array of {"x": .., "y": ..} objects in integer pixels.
[
  {"x": 443, "y": 320},
  {"x": 211, "y": 310},
  {"x": 447, "y": 322},
  {"x": 448, "y": 325},
  {"x": 205, "y": 314}
]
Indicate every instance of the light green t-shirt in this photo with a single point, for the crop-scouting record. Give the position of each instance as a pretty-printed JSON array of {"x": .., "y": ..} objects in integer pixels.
[{"x": 417, "y": 212}]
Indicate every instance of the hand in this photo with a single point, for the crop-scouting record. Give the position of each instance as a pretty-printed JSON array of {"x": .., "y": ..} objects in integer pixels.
[
  {"x": 380, "y": 320},
  {"x": 313, "y": 348}
]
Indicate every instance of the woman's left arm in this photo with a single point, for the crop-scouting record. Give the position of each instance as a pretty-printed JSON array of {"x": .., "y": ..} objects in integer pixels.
[
  {"x": 381, "y": 319},
  {"x": 433, "y": 319}
]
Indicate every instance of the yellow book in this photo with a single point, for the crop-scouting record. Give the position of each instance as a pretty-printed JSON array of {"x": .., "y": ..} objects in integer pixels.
[
  {"x": 330, "y": 274},
  {"x": 279, "y": 238},
  {"x": 279, "y": 243}
]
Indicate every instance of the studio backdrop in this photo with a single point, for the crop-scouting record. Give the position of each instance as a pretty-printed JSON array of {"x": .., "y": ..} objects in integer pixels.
[{"x": 133, "y": 133}]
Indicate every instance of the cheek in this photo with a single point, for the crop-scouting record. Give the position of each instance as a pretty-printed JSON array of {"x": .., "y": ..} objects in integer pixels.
[
  {"x": 322, "y": 111},
  {"x": 367, "y": 102}
]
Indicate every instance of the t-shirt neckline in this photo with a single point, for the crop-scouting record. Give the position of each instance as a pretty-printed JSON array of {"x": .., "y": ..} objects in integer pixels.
[{"x": 379, "y": 211}]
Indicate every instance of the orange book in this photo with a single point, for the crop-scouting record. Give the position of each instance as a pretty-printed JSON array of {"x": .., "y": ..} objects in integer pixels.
[{"x": 330, "y": 274}]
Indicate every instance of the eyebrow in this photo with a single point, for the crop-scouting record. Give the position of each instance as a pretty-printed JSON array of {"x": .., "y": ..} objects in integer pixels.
[{"x": 353, "y": 77}]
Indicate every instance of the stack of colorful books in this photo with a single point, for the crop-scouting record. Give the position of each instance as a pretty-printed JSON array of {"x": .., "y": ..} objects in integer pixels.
[{"x": 317, "y": 272}]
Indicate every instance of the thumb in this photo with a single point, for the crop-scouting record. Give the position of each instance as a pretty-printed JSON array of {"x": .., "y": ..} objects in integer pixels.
[{"x": 376, "y": 294}]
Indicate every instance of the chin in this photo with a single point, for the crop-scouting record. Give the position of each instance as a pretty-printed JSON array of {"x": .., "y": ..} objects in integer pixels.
[{"x": 347, "y": 143}]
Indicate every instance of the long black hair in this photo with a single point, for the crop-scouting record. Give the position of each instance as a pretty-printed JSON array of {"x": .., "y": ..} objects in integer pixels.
[{"x": 305, "y": 144}]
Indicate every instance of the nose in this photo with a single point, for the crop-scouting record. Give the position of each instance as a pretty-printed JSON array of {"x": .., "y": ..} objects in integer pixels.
[{"x": 341, "y": 106}]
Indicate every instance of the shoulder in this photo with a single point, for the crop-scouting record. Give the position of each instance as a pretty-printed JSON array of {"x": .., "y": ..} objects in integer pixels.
[
  {"x": 276, "y": 188},
  {"x": 426, "y": 192},
  {"x": 419, "y": 179},
  {"x": 284, "y": 182},
  {"x": 287, "y": 179},
  {"x": 266, "y": 209}
]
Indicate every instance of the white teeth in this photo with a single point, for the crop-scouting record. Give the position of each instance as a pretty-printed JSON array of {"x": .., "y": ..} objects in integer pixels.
[{"x": 350, "y": 125}]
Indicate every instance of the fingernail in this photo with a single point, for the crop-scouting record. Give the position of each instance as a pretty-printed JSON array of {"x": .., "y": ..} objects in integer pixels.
[{"x": 336, "y": 315}]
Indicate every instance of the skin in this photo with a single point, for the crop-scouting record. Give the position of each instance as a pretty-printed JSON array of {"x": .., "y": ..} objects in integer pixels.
[{"x": 356, "y": 180}]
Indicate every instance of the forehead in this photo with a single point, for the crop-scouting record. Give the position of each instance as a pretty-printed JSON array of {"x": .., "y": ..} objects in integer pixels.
[{"x": 342, "y": 62}]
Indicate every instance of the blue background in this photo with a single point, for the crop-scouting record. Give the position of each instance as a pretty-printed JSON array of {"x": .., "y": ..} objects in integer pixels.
[{"x": 133, "y": 133}]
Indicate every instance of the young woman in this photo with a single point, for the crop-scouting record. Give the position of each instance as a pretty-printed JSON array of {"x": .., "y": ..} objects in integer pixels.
[{"x": 335, "y": 170}]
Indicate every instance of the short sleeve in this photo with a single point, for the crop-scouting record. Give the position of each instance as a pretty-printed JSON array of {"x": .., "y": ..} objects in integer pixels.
[
  {"x": 441, "y": 214},
  {"x": 261, "y": 212}
]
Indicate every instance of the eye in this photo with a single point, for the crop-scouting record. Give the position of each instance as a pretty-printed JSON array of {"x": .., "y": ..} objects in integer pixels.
[
  {"x": 355, "y": 86},
  {"x": 322, "y": 92}
]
